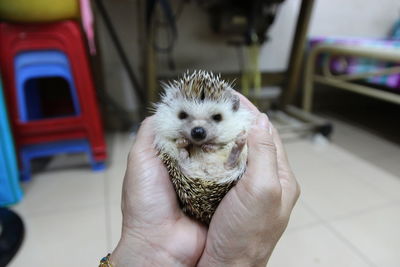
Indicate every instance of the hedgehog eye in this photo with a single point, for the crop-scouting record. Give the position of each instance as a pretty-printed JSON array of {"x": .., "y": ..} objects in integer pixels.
[
  {"x": 182, "y": 115},
  {"x": 217, "y": 117}
]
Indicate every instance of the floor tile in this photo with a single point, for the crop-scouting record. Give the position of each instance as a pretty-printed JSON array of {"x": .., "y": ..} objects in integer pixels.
[
  {"x": 330, "y": 188},
  {"x": 388, "y": 162},
  {"x": 114, "y": 180},
  {"x": 305, "y": 157},
  {"x": 375, "y": 234},
  {"x": 61, "y": 239},
  {"x": 62, "y": 189},
  {"x": 70, "y": 208},
  {"x": 122, "y": 144},
  {"x": 301, "y": 216},
  {"x": 369, "y": 146},
  {"x": 117, "y": 166},
  {"x": 386, "y": 183},
  {"x": 361, "y": 142},
  {"x": 333, "y": 193},
  {"x": 115, "y": 225},
  {"x": 314, "y": 246}
]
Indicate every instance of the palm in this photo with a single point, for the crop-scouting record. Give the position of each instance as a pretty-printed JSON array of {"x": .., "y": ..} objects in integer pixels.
[
  {"x": 234, "y": 211},
  {"x": 150, "y": 206}
]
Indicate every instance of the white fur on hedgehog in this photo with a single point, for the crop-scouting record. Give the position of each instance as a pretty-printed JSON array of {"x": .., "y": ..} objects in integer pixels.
[{"x": 169, "y": 127}]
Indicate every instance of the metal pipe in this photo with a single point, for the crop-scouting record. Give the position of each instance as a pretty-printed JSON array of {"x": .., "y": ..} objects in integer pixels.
[
  {"x": 360, "y": 89},
  {"x": 390, "y": 55},
  {"x": 121, "y": 52},
  {"x": 297, "y": 51}
]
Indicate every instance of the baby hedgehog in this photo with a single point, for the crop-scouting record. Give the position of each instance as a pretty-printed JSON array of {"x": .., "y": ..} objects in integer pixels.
[{"x": 200, "y": 133}]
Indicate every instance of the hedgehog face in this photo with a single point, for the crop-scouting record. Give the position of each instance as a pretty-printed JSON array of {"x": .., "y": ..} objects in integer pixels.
[
  {"x": 201, "y": 108},
  {"x": 206, "y": 121}
]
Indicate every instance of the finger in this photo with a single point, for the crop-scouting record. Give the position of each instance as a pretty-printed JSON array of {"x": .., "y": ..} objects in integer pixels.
[
  {"x": 289, "y": 184},
  {"x": 262, "y": 171},
  {"x": 146, "y": 182},
  {"x": 143, "y": 155},
  {"x": 143, "y": 149},
  {"x": 145, "y": 136}
]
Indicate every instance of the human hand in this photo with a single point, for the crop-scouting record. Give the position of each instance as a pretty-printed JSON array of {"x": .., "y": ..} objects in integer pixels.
[
  {"x": 155, "y": 232},
  {"x": 253, "y": 215}
]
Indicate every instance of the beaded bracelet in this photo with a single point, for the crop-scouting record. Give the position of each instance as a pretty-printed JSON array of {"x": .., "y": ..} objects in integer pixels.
[{"x": 105, "y": 262}]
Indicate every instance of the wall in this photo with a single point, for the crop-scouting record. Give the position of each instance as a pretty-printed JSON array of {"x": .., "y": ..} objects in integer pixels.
[
  {"x": 198, "y": 47},
  {"x": 364, "y": 18}
]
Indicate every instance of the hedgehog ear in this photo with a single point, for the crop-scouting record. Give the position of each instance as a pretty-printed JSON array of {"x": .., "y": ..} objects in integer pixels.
[
  {"x": 235, "y": 102},
  {"x": 172, "y": 93}
]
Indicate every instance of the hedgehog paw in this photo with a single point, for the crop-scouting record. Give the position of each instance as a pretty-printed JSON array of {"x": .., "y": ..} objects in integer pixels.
[
  {"x": 241, "y": 139},
  {"x": 209, "y": 148},
  {"x": 236, "y": 150},
  {"x": 182, "y": 142}
]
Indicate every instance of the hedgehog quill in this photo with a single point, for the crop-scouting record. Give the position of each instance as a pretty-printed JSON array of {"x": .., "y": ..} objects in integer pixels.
[{"x": 200, "y": 133}]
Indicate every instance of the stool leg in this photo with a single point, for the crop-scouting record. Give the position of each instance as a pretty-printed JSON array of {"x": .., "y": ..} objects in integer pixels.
[
  {"x": 25, "y": 167},
  {"x": 96, "y": 164}
]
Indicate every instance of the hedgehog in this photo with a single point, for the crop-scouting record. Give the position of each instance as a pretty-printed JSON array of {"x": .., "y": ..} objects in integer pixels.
[{"x": 200, "y": 134}]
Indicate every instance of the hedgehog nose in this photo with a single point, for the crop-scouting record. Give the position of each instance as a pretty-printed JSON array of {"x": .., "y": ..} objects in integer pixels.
[{"x": 198, "y": 133}]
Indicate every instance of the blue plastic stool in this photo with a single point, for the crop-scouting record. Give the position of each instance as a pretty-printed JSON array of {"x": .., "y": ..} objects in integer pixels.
[
  {"x": 27, "y": 153},
  {"x": 10, "y": 190},
  {"x": 33, "y": 65}
]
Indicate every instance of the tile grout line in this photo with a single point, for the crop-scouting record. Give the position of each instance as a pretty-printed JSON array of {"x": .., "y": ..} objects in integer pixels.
[
  {"x": 368, "y": 158},
  {"x": 389, "y": 203},
  {"x": 302, "y": 227},
  {"x": 376, "y": 188},
  {"x": 364, "y": 181},
  {"x": 306, "y": 225},
  {"x": 107, "y": 200},
  {"x": 341, "y": 237},
  {"x": 351, "y": 245},
  {"x": 51, "y": 212},
  {"x": 107, "y": 213},
  {"x": 341, "y": 217}
]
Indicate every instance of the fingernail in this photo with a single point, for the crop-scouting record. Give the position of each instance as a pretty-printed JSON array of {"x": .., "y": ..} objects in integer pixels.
[{"x": 262, "y": 121}]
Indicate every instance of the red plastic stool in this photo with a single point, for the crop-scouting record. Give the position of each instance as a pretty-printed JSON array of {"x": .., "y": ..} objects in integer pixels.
[{"x": 63, "y": 36}]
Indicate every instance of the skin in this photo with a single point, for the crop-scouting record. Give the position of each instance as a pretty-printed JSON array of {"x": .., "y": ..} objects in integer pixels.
[{"x": 245, "y": 227}]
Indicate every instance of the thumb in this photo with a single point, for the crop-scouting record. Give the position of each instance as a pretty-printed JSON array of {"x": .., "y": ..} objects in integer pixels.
[
  {"x": 262, "y": 154},
  {"x": 145, "y": 137}
]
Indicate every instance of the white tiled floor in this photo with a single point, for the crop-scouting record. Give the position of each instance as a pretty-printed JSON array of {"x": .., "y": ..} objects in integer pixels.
[{"x": 348, "y": 214}]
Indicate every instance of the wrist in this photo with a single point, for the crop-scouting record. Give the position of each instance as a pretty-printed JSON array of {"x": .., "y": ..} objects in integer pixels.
[
  {"x": 244, "y": 262},
  {"x": 137, "y": 251},
  {"x": 253, "y": 259}
]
